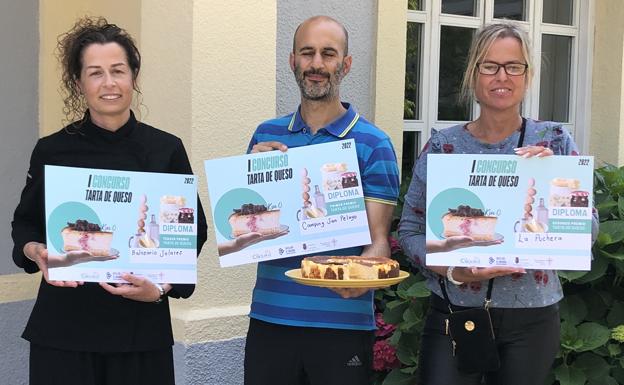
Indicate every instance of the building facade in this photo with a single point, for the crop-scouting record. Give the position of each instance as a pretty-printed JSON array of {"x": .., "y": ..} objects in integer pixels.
[{"x": 212, "y": 70}]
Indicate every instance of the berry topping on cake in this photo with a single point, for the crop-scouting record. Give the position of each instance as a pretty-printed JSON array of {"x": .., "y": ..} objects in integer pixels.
[
  {"x": 83, "y": 225},
  {"x": 466, "y": 211}
]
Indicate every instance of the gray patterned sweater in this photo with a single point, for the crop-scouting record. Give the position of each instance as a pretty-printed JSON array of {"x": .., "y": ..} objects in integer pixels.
[{"x": 536, "y": 288}]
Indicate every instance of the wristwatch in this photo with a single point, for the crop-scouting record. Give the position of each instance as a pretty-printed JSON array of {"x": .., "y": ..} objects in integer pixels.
[
  {"x": 449, "y": 276},
  {"x": 161, "y": 291}
]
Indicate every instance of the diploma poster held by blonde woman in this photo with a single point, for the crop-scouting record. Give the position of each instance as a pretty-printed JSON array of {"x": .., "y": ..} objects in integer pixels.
[{"x": 529, "y": 213}]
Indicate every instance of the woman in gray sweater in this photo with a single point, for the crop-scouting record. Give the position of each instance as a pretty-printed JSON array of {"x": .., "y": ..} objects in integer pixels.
[{"x": 524, "y": 308}]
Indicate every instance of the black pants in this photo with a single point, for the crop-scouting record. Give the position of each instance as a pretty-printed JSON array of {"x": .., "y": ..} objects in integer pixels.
[
  {"x": 50, "y": 366},
  {"x": 527, "y": 340},
  {"x": 287, "y": 355}
]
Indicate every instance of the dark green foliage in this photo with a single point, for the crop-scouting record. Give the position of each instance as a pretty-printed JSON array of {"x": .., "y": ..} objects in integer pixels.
[{"x": 592, "y": 307}]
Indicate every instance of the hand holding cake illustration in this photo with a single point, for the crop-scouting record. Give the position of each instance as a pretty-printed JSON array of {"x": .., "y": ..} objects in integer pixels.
[
  {"x": 251, "y": 218},
  {"x": 86, "y": 236},
  {"x": 83, "y": 242},
  {"x": 246, "y": 240},
  {"x": 251, "y": 224},
  {"x": 471, "y": 222}
]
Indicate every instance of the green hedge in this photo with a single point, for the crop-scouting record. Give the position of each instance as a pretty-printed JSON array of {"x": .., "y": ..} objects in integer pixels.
[{"x": 592, "y": 311}]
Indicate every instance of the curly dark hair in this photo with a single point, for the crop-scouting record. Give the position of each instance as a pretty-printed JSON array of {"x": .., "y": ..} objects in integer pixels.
[{"x": 70, "y": 49}]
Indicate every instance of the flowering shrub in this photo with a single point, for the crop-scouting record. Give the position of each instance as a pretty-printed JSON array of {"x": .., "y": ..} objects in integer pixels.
[
  {"x": 384, "y": 354},
  {"x": 400, "y": 312},
  {"x": 383, "y": 329}
]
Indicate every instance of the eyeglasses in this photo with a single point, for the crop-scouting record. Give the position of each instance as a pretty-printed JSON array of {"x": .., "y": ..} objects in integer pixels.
[{"x": 511, "y": 69}]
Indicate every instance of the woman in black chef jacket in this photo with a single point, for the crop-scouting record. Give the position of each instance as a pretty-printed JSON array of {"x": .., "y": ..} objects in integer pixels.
[{"x": 98, "y": 333}]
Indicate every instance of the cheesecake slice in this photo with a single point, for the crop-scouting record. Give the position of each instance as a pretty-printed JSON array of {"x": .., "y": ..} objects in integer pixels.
[
  {"x": 86, "y": 236},
  {"x": 252, "y": 218},
  {"x": 470, "y": 222}
]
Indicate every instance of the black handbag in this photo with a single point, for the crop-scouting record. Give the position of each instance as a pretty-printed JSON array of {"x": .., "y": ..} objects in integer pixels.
[
  {"x": 472, "y": 335},
  {"x": 471, "y": 331}
]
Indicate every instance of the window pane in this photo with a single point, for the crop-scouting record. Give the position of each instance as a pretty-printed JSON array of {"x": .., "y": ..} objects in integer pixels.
[
  {"x": 413, "y": 60},
  {"x": 454, "y": 45},
  {"x": 411, "y": 149},
  {"x": 510, "y": 9},
  {"x": 555, "y": 78},
  {"x": 416, "y": 5},
  {"x": 558, "y": 11},
  {"x": 460, "y": 7}
]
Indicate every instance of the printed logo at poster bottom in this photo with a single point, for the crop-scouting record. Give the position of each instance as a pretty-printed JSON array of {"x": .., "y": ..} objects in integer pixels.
[
  {"x": 304, "y": 247},
  {"x": 545, "y": 261},
  {"x": 114, "y": 276}
]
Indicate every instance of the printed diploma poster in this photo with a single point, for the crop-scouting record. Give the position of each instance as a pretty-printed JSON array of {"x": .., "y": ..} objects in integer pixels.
[
  {"x": 534, "y": 213},
  {"x": 102, "y": 223},
  {"x": 276, "y": 204}
]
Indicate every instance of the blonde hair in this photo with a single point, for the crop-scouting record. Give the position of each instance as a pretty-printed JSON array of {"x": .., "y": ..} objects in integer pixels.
[{"x": 481, "y": 43}]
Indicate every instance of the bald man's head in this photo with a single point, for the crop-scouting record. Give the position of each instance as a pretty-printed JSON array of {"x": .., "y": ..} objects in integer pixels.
[{"x": 323, "y": 19}]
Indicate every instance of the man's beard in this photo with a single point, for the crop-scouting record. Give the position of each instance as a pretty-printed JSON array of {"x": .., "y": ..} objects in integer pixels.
[{"x": 317, "y": 91}]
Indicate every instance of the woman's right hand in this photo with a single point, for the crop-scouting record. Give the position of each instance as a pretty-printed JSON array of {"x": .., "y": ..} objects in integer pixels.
[{"x": 38, "y": 253}]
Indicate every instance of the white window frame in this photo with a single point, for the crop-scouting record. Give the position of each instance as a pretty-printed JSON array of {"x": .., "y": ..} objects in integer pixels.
[
  {"x": 419, "y": 125},
  {"x": 581, "y": 32}
]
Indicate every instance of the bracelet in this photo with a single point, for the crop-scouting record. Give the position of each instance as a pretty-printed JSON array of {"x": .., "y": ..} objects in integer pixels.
[
  {"x": 449, "y": 276},
  {"x": 161, "y": 291}
]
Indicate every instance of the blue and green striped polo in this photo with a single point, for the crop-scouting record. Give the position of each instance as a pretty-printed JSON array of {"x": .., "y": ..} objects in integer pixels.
[{"x": 276, "y": 298}]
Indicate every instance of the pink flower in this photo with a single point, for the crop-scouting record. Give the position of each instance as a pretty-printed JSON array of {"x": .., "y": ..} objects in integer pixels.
[
  {"x": 447, "y": 148},
  {"x": 383, "y": 328},
  {"x": 543, "y": 144},
  {"x": 418, "y": 211},
  {"x": 395, "y": 246},
  {"x": 384, "y": 356}
]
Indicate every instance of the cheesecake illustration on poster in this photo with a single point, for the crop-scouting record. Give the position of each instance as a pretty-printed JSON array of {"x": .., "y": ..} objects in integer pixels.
[
  {"x": 504, "y": 210},
  {"x": 103, "y": 223},
  {"x": 276, "y": 204}
]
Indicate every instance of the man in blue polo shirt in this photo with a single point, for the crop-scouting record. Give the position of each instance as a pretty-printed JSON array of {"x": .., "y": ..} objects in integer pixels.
[{"x": 308, "y": 335}]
